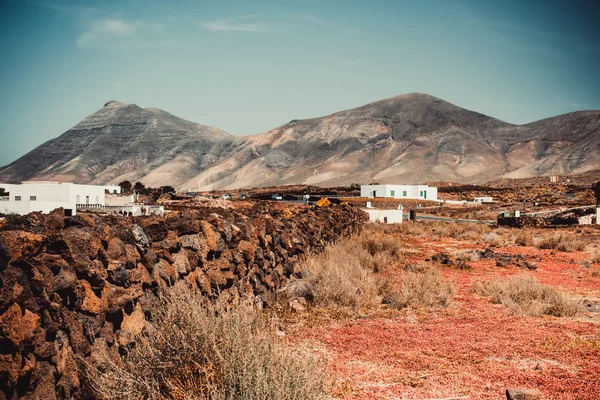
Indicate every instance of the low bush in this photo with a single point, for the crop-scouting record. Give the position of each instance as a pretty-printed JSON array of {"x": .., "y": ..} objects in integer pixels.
[
  {"x": 422, "y": 286},
  {"x": 525, "y": 237},
  {"x": 527, "y": 294},
  {"x": 563, "y": 242},
  {"x": 343, "y": 275},
  {"x": 194, "y": 351}
]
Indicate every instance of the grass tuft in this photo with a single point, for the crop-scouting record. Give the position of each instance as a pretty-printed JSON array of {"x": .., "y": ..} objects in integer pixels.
[
  {"x": 529, "y": 295},
  {"x": 194, "y": 351}
]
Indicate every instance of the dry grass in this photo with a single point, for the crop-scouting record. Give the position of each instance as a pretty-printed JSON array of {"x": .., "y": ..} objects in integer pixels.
[
  {"x": 191, "y": 351},
  {"x": 563, "y": 242},
  {"x": 343, "y": 274},
  {"x": 525, "y": 237},
  {"x": 530, "y": 296},
  {"x": 422, "y": 286}
]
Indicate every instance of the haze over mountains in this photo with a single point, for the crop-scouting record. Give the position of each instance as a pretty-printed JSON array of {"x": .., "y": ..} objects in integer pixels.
[{"x": 404, "y": 139}]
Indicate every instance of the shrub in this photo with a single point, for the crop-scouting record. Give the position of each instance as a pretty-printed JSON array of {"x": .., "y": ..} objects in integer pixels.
[
  {"x": 194, "y": 351},
  {"x": 422, "y": 286},
  {"x": 525, "y": 238},
  {"x": 563, "y": 242},
  {"x": 526, "y": 293},
  {"x": 343, "y": 275}
]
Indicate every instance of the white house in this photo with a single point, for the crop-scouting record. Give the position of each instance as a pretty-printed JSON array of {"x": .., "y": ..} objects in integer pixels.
[
  {"x": 385, "y": 216},
  {"x": 415, "y": 192},
  {"x": 41, "y": 196}
]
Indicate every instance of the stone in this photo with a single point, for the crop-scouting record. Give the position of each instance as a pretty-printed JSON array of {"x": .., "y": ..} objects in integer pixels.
[
  {"x": 181, "y": 263},
  {"x": 141, "y": 239},
  {"x": 134, "y": 322},
  {"x": 163, "y": 270},
  {"x": 87, "y": 299},
  {"x": 116, "y": 249},
  {"x": 18, "y": 326},
  {"x": 297, "y": 306},
  {"x": 523, "y": 394},
  {"x": 118, "y": 297}
]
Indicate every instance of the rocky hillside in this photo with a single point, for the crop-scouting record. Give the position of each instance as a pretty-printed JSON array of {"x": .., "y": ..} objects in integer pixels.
[
  {"x": 409, "y": 138},
  {"x": 124, "y": 142}
]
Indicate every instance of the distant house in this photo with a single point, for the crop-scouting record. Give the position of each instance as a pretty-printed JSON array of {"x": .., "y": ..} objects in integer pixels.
[
  {"x": 29, "y": 196},
  {"x": 414, "y": 192},
  {"x": 483, "y": 200},
  {"x": 384, "y": 216}
]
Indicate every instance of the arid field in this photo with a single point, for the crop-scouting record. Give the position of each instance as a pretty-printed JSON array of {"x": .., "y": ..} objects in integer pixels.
[{"x": 473, "y": 343}]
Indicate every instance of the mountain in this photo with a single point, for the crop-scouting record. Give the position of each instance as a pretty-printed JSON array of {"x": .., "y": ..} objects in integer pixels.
[
  {"x": 409, "y": 138},
  {"x": 124, "y": 142}
]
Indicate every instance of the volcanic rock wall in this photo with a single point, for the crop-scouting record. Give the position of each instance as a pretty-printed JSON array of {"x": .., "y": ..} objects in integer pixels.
[{"x": 72, "y": 288}]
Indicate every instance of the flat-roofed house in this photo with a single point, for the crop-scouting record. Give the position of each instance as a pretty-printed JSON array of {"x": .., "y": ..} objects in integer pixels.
[{"x": 412, "y": 192}]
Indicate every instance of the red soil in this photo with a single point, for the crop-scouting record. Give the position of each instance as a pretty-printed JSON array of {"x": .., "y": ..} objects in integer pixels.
[{"x": 472, "y": 348}]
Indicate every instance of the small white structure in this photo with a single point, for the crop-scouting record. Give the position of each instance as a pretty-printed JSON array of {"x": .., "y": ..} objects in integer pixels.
[
  {"x": 416, "y": 192},
  {"x": 44, "y": 196},
  {"x": 384, "y": 216},
  {"x": 483, "y": 200}
]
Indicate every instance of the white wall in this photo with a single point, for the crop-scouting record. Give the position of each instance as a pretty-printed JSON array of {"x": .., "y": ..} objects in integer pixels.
[
  {"x": 88, "y": 194},
  {"x": 52, "y": 195},
  {"x": 115, "y": 200},
  {"x": 384, "y": 216},
  {"x": 415, "y": 192},
  {"x": 38, "y": 196}
]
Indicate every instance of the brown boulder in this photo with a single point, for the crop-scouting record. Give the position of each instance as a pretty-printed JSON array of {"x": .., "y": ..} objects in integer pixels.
[
  {"x": 21, "y": 244},
  {"x": 163, "y": 270},
  {"x": 18, "y": 326},
  {"x": 118, "y": 297},
  {"x": 87, "y": 299},
  {"x": 134, "y": 322},
  {"x": 181, "y": 263},
  {"x": 116, "y": 249}
]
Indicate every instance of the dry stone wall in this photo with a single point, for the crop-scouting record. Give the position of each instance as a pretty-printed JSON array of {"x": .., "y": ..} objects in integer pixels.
[{"x": 72, "y": 288}]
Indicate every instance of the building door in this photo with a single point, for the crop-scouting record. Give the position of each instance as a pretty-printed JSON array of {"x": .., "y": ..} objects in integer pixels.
[
  {"x": 425, "y": 194},
  {"x": 374, "y": 193}
]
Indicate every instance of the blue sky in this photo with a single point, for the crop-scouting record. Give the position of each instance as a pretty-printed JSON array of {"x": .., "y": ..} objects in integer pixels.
[{"x": 249, "y": 66}]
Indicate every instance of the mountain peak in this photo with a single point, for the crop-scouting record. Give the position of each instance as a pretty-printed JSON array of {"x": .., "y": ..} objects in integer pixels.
[{"x": 113, "y": 103}]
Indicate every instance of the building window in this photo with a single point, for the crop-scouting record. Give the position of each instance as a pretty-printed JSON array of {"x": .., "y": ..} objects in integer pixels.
[
  {"x": 32, "y": 198},
  {"x": 77, "y": 199},
  {"x": 421, "y": 193},
  {"x": 17, "y": 198},
  {"x": 404, "y": 193},
  {"x": 392, "y": 193}
]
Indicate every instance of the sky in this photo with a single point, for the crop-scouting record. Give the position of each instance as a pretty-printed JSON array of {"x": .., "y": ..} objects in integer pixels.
[{"x": 250, "y": 66}]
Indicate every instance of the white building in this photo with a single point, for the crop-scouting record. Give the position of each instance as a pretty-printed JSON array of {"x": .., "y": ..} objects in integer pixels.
[
  {"x": 483, "y": 200},
  {"x": 385, "y": 216},
  {"x": 414, "y": 192},
  {"x": 32, "y": 196}
]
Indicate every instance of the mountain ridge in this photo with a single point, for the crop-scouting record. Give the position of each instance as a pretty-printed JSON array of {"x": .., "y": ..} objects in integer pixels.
[{"x": 408, "y": 138}]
